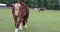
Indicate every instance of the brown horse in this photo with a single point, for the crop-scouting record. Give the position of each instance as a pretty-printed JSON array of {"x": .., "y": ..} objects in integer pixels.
[
  {"x": 42, "y": 8},
  {"x": 20, "y": 12}
]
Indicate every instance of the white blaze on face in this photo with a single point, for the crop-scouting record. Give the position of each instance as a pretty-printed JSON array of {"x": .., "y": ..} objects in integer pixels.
[{"x": 17, "y": 5}]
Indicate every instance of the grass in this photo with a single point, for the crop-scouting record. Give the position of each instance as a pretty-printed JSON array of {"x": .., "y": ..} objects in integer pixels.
[{"x": 47, "y": 21}]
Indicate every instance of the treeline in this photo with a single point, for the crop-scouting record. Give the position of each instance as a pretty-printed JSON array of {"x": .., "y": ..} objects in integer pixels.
[{"x": 49, "y": 4}]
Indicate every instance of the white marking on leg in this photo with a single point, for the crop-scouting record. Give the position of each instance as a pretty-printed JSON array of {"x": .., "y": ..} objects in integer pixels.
[
  {"x": 26, "y": 26},
  {"x": 21, "y": 26},
  {"x": 16, "y": 29}
]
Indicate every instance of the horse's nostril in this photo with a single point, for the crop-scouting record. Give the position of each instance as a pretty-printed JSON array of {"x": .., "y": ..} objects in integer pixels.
[{"x": 16, "y": 9}]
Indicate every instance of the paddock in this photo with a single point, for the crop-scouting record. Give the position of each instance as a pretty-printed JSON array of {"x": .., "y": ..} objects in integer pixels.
[{"x": 47, "y": 21}]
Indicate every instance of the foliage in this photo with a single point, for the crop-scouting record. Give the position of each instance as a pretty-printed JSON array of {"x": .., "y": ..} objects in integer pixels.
[{"x": 49, "y": 4}]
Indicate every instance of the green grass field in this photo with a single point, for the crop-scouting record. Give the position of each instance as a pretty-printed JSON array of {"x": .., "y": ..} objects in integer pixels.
[{"x": 47, "y": 21}]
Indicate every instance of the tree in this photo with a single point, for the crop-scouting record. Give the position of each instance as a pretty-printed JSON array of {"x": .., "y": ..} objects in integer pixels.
[{"x": 49, "y": 4}]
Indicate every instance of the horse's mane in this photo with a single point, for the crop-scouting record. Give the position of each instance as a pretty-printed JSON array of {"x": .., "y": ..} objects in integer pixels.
[{"x": 22, "y": 3}]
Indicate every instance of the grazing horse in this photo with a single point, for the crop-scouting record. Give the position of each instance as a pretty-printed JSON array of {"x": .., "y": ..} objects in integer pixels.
[
  {"x": 20, "y": 12},
  {"x": 42, "y": 8}
]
